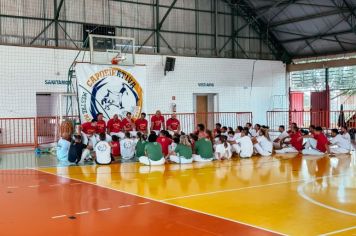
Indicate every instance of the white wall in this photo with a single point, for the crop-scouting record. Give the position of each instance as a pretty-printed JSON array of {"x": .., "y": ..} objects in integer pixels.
[{"x": 23, "y": 71}]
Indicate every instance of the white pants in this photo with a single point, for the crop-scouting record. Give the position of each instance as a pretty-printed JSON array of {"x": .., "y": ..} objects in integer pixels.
[
  {"x": 89, "y": 140},
  {"x": 226, "y": 155},
  {"x": 243, "y": 154},
  {"x": 107, "y": 138},
  {"x": 198, "y": 158},
  {"x": 338, "y": 150},
  {"x": 287, "y": 150},
  {"x": 277, "y": 145},
  {"x": 156, "y": 131},
  {"x": 146, "y": 161},
  {"x": 310, "y": 143},
  {"x": 261, "y": 151},
  {"x": 172, "y": 132},
  {"x": 311, "y": 151},
  {"x": 180, "y": 160}
]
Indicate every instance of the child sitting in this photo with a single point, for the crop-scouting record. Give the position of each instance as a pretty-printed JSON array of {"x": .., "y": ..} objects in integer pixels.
[
  {"x": 223, "y": 149},
  {"x": 153, "y": 152},
  {"x": 76, "y": 150},
  {"x": 182, "y": 154},
  {"x": 262, "y": 143},
  {"x": 203, "y": 149},
  {"x": 244, "y": 145},
  {"x": 115, "y": 147},
  {"x": 102, "y": 151},
  {"x": 140, "y": 145},
  {"x": 165, "y": 141},
  {"x": 63, "y": 147},
  {"x": 127, "y": 147},
  {"x": 321, "y": 143}
]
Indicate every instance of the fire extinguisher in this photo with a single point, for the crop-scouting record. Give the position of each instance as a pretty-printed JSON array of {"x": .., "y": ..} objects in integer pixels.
[{"x": 173, "y": 107}]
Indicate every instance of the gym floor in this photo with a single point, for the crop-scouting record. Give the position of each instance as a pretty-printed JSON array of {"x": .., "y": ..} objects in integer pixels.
[{"x": 279, "y": 195}]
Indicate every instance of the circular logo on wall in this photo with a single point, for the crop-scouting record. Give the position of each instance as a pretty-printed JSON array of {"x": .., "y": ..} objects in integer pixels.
[{"x": 111, "y": 91}]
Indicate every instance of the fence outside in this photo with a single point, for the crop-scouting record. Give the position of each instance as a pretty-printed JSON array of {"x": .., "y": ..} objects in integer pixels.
[
  {"x": 34, "y": 131},
  {"x": 304, "y": 119}
]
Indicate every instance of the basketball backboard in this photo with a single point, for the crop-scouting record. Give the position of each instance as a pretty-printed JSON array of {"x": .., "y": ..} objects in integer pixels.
[{"x": 108, "y": 49}]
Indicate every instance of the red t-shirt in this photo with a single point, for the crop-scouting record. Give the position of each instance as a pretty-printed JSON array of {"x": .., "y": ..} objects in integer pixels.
[
  {"x": 296, "y": 140},
  {"x": 127, "y": 125},
  {"x": 157, "y": 122},
  {"x": 87, "y": 128},
  {"x": 173, "y": 124},
  {"x": 321, "y": 141},
  {"x": 100, "y": 126},
  {"x": 114, "y": 126},
  {"x": 115, "y": 148},
  {"x": 165, "y": 142},
  {"x": 141, "y": 125}
]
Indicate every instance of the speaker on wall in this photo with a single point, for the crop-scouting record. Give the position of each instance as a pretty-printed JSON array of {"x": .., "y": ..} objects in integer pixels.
[{"x": 170, "y": 63}]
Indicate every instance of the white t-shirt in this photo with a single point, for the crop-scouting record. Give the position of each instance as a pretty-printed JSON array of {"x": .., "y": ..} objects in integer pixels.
[
  {"x": 347, "y": 137},
  {"x": 63, "y": 149},
  {"x": 237, "y": 136},
  {"x": 220, "y": 148},
  {"x": 265, "y": 143},
  {"x": 253, "y": 133},
  {"x": 103, "y": 152},
  {"x": 246, "y": 146},
  {"x": 127, "y": 148},
  {"x": 341, "y": 142},
  {"x": 283, "y": 135}
]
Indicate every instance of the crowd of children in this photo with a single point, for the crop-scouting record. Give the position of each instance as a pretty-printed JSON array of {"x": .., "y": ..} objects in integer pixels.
[{"x": 132, "y": 139}]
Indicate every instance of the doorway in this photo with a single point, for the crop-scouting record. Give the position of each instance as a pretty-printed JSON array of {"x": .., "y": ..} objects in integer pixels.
[{"x": 204, "y": 106}]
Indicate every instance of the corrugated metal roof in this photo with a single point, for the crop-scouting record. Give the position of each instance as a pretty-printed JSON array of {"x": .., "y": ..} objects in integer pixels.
[{"x": 310, "y": 27}]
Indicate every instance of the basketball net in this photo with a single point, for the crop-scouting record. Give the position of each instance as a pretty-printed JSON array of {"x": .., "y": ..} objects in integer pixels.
[{"x": 116, "y": 60}]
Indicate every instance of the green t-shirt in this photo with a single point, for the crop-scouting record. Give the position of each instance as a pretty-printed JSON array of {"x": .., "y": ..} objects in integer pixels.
[
  {"x": 140, "y": 148},
  {"x": 204, "y": 148},
  {"x": 154, "y": 151},
  {"x": 184, "y": 151}
]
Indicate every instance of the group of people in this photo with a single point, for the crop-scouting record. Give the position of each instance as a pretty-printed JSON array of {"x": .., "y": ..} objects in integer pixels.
[{"x": 164, "y": 142}]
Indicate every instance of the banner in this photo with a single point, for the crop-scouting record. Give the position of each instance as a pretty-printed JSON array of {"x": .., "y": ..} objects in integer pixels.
[{"x": 110, "y": 90}]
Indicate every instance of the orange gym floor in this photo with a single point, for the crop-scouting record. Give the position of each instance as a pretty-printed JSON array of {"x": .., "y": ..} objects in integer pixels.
[{"x": 279, "y": 195}]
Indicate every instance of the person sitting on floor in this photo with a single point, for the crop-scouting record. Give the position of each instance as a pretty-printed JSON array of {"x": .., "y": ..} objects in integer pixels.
[
  {"x": 340, "y": 145},
  {"x": 141, "y": 144},
  {"x": 262, "y": 143},
  {"x": 223, "y": 149},
  {"x": 63, "y": 147},
  {"x": 244, "y": 145},
  {"x": 165, "y": 142},
  {"x": 102, "y": 151},
  {"x": 183, "y": 153},
  {"x": 203, "y": 149},
  {"x": 153, "y": 152},
  {"x": 115, "y": 147},
  {"x": 295, "y": 144},
  {"x": 127, "y": 147},
  {"x": 321, "y": 146},
  {"x": 278, "y": 142},
  {"x": 76, "y": 150}
]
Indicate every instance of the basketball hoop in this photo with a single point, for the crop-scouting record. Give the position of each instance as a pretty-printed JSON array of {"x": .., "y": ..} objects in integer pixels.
[{"x": 116, "y": 60}]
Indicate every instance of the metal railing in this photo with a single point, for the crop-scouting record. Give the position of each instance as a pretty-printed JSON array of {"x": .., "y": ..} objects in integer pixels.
[
  {"x": 326, "y": 119},
  {"x": 34, "y": 131}
]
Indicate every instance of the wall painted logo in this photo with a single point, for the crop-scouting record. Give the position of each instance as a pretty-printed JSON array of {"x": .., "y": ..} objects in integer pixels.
[{"x": 111, "y": 91}]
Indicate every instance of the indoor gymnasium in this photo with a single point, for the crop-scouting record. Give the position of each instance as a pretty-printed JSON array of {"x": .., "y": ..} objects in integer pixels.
[{"x": 177, "y": 117}]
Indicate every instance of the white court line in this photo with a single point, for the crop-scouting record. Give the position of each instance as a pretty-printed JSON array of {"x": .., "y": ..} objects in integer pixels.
[
  {"x": 60, "y": 216},
  {"x": 167, "y": 203},
  {"x": 123, "y": 206},
  {"x": 309, "y": 199},
  {"x": 53, "y": 185},
  {"x": 12, "y": 187},
  {"x": 242, "y": 188},
  {"x": 143, "y": 203},
  {"x": 82, "y": 213},
  {"x": 33, "y": 186},
  {"x": 104, "y": 209},
  {"x": 338, "y": 231}
]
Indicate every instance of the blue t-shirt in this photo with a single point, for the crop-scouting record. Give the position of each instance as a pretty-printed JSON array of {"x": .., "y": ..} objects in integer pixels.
[{"x": 63, "y": 149}]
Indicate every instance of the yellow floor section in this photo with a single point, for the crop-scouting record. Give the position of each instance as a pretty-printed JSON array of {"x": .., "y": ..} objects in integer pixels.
[{"x": 287, "y": 194}]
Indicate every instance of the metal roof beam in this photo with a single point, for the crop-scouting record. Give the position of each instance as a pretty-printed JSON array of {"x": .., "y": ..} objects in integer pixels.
[
  {"x": 297, "y": 2},
  {"x": 308, "y": 17}
]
